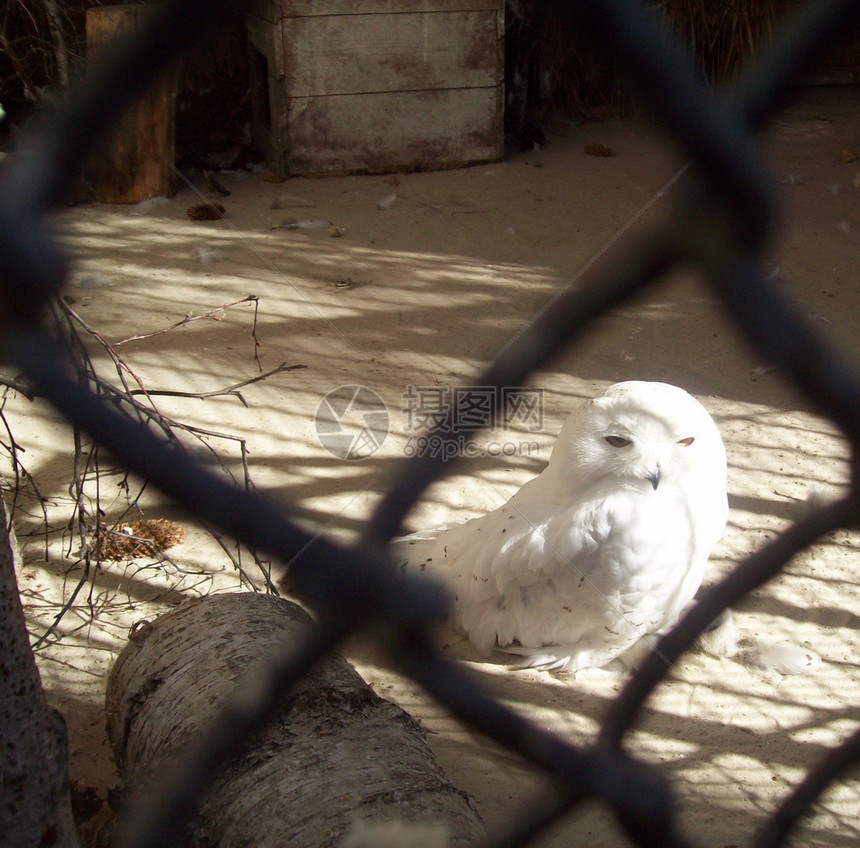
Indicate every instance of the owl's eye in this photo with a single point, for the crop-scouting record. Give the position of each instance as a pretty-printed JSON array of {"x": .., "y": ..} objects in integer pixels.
[
  {"x": 685, "y": 443},
  {"x": 617, "y": 441}
]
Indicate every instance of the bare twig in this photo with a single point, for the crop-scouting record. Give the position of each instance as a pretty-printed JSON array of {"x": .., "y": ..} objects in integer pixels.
[
  {"x": 20, "y": 475},
  {"x": 236, "y": 559},
  {"x": 18, "y": 386},
  {"x": 229, "y": 390},
  {"x": 29, "y": 86},
  {"x": 189, "y": 318},
  {"x": 55, "y": 26},
  {"x": 121, "y": 367}
]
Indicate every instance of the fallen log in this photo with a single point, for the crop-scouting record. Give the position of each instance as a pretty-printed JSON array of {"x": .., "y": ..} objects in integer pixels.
[{"x": 338, "y": 759}]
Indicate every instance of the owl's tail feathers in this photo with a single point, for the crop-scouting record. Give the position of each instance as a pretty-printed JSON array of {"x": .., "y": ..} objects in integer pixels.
[
  {"x": 552, "y": 658},
  {"x": 723, "y": 639},
  {"x": 562, "y": 659}
]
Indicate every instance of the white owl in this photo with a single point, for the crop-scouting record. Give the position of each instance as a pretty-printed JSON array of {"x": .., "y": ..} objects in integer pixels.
[{"x": 606, "y": 546}]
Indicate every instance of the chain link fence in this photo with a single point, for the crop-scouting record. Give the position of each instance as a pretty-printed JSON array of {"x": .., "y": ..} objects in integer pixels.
[{"x": 720, "y": 224}]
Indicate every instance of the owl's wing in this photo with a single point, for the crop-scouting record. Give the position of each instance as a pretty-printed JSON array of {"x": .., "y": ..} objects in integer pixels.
[
  {"x": 507, "y": 547},
  {"x": 497, "y": 563},
  {"x": 590, "y": 579}
]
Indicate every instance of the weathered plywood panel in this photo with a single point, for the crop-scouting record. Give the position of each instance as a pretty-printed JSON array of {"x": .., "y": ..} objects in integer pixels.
[
  {"x": 377, "y": 85},
  {"x": 298, "y": 8},
  {"x": 398, "y": 52},
  {"x": 273, "y": 11},
  {"x": 393, "y": 131}
]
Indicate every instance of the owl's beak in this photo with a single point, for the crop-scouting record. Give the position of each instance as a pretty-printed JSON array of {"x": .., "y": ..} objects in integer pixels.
[{"x": 655, "y": 479}]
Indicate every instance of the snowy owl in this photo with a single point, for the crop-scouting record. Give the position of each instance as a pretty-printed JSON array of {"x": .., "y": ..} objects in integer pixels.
[{"x": 606, "y": 546}]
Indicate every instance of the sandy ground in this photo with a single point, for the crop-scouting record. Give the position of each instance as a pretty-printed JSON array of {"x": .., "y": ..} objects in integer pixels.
[{"x": 429, "y": 276}]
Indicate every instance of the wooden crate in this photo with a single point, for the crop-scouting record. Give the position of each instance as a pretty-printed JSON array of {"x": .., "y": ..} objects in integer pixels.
[{"x": 374, "y": 86}]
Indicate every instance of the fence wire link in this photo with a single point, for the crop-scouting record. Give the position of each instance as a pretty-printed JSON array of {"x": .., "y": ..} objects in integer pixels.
[{"x": 721, "y": 223}]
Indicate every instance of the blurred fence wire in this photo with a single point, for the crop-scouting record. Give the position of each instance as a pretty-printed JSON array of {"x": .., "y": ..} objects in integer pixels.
[{"x": 720, "y": 224}]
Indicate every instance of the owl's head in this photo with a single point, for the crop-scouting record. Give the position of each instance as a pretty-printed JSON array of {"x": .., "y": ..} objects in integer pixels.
[{"x": 642, "y": 434}]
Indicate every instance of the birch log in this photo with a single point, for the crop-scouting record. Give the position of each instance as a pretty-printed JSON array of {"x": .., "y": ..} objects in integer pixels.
[{"x": 339, "y": 758}]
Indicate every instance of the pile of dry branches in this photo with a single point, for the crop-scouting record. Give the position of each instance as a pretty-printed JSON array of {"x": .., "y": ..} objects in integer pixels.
[{"x": 97, "y": 526}]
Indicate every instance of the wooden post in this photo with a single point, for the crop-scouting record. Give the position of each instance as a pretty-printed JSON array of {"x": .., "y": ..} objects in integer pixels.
[
  {"x": 36, "y": 807},
  {"x": 137, "y": 161}
]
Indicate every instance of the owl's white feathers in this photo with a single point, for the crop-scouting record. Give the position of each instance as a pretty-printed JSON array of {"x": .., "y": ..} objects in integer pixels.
[{"x": 605, "y": 547}]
